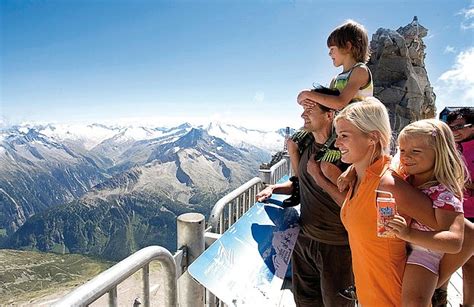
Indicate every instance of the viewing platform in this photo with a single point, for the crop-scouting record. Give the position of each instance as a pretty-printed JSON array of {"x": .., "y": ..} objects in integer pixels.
[{"x": 171, "y": 284}]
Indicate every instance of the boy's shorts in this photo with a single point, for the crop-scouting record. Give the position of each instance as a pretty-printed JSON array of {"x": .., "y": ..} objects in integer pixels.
[{"x": 426, "y": 258}]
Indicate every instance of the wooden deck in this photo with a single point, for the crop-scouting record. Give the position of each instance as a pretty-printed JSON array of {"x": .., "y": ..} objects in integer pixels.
[{"x": 454, "y": 292}]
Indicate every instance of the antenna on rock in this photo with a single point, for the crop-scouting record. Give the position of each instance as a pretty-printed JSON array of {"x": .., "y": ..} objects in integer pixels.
[{"x": 287, "y": 136}]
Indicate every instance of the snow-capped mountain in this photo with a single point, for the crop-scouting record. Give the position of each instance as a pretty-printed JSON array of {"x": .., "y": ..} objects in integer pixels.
[
  {"x": 42, "y": 167},
  {"x": 90, "y": 136},
  {"x": 37, "y": 172},
  {"x": 240, "y": 137}
]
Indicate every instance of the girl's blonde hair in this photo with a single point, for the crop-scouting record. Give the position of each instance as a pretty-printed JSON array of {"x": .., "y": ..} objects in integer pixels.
[
  {"x": 370, "y": 116},
  {"x": 449, "y": 167}
]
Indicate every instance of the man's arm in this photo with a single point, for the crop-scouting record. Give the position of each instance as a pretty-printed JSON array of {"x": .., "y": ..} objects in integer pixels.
[{"x": 280, "y": 188}]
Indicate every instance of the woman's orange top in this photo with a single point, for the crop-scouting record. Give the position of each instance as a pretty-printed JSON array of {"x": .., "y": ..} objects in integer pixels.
[{"x": 378, "y": 263}]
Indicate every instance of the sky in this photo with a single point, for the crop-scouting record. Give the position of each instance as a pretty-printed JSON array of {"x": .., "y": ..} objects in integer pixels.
[{"x": 167, "y": 62}]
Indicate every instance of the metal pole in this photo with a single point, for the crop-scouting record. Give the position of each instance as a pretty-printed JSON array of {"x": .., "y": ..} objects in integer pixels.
[
  {"x": 146, "y": 285},
  {"x": 190, "y": 234},
  {"x": 289, "y": 171},
  {"x": 113, "y": 297},
  {"x": 265, "y": 175}
]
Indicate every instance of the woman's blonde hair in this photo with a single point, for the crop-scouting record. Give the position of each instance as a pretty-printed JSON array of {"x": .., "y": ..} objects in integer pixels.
[
  {"x": 370, "y": 116},
  {"x": 449, "y": 167}
]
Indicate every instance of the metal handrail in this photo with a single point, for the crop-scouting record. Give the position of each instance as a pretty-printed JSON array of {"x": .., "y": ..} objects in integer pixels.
[
  {"x": 107, "y": 281},
  {"x": 244, "y": 197},
  {"x": 278, "y": 170}
]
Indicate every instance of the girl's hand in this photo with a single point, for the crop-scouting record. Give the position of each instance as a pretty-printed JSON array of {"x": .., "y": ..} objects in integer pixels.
[
  {"x": 399, "y": 226},
  {"x": 346, "y": 179}
]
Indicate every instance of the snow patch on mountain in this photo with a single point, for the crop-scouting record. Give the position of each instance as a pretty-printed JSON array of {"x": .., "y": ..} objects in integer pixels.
[
  {"x": 88, "y": 135},
  {"x": 91, "y": 135},
  {"x": 240, "y": 137}
]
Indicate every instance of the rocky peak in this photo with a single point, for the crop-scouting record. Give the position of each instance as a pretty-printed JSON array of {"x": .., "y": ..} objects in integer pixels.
[
  {"x": 413, "y": 34},
  {"x": 400, "y": 78}
]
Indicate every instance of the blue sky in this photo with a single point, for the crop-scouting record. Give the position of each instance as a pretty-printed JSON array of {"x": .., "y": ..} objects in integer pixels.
[{"x": 174, "y": 61}]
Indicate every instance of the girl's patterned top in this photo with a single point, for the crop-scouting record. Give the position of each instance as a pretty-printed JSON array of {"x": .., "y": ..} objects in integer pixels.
[{"x": 442, "y": 199}]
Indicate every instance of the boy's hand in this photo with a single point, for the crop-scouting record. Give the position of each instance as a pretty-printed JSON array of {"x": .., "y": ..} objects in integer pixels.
[
  {"x": 264, "y": 194},
  {"x": 304, "y": 99},
  {"x": 308, "y": 104},
  {"x": 399, "y": 226}
]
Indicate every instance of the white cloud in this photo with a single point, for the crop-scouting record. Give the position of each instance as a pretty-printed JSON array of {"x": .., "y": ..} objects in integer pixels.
[
  {"x": 449, "y": 49},
  {"x": 4, "y": 122},
  {"x": 455, "y": 87},
  {"x": 468, "y": 22},
  {"x": 429, "y": 36},
  {"x": 259, "y": 97}
]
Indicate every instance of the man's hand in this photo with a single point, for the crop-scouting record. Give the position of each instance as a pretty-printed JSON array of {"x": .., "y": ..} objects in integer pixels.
[{"x": 264, "y": 194}]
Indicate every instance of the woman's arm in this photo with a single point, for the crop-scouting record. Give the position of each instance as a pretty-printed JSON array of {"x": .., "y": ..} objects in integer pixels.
[
  {"x": 347, "y": 178},
  {"x": 325, "y": 176}
]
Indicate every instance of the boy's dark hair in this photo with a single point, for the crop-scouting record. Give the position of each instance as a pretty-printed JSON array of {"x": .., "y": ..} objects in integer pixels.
[
  {"x": 467, "y": 113},
  {"x": 327, "y": 91},
  {"x": 355, "y": 34}
]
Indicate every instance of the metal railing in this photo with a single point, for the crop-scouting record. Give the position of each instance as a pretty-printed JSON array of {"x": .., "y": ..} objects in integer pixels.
[
  {"x": 224, "y": 214},
  {"x": 107, "y": 281},
  {"x": 231, "y": 207},
  {"x": 277, "y": 171}
]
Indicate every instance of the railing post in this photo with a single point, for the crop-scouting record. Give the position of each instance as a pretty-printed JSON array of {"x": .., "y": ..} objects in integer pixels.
[
  {"x": 113, "y": 297},
  {"x": 289, "y": 170},
  {"x": 190, "y": 234},
  {"x": 265, "y": 175},
  {"x": 146, "y": 285}
]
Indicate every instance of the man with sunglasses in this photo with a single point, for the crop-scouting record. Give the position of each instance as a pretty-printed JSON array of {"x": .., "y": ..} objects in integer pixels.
[{"x": 461, "y": 123}]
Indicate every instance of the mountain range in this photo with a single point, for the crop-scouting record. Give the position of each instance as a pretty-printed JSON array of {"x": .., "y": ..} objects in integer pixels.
[{"x": 110, "y": 190}]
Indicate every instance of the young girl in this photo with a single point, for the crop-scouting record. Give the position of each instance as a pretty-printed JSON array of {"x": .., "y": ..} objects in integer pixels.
[
  {"x": 348, "y": 47},
  {"x": 430, "y": 162}
]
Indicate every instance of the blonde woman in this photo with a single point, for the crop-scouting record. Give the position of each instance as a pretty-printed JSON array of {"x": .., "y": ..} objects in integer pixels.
[{"x": 363, "y": 136}]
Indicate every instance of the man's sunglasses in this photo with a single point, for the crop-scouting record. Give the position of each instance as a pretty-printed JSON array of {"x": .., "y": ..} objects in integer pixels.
[{"x": 459, "y": 127}]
